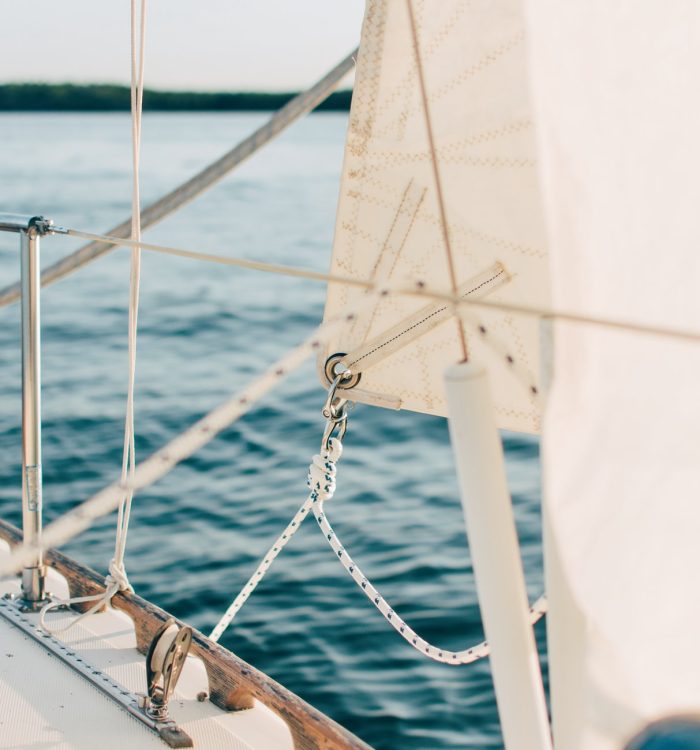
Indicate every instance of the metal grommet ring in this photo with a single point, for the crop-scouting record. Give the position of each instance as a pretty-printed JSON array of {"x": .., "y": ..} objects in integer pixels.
[{"x": 331, "y": 373}]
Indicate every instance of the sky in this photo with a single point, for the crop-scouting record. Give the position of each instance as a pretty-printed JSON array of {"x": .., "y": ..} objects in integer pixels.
[{"x": 207, "y": 45}]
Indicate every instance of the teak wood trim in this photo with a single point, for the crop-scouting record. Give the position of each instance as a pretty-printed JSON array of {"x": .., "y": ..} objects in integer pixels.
[{"x": 233, "y": 684}]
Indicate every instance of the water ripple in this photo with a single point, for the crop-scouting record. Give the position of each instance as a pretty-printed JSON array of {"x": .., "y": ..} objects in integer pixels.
[{"x": 204, "y": 332}]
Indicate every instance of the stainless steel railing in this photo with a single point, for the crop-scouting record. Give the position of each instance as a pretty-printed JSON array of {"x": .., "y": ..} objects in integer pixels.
[{"x": 30, "y": 230}]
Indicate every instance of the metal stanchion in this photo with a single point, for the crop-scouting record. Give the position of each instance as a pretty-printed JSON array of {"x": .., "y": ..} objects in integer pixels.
[{"x": 30, "y": 229}]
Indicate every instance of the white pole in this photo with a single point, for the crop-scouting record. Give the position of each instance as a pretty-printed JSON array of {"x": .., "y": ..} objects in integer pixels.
[{"x": 495, "y": 555}]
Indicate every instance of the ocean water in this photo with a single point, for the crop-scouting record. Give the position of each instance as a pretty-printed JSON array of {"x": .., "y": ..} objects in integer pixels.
[{"x": 204, "y": 332}]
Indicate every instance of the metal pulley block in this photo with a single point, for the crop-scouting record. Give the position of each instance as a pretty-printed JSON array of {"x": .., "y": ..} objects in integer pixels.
[{"x": 164, "y": 662}]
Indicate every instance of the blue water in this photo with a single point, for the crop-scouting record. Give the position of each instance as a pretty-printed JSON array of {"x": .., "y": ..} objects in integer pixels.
[{"x": 205, "y": 331}]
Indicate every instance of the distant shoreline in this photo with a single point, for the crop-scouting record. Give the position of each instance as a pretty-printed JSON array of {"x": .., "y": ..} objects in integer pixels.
[{"x": 49, "y": 97}]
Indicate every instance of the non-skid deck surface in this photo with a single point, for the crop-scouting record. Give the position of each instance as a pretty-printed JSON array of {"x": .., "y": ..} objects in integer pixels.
[{"x": 45, "y": 705}]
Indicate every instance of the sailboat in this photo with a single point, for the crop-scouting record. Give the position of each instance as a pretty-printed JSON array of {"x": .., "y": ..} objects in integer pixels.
[{"x": 514, "y": 249}]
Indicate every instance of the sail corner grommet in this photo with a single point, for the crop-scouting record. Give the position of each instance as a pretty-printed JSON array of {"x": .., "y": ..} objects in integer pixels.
[{"x": 335, "y": 366}]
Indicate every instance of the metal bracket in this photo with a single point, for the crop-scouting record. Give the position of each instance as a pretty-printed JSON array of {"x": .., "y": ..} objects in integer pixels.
[
  {"x": 25, "y": 223},
  {"x": 335, "y": 410},
  {"x": 164, "y": 662},
  {"x": 167, "y": 729}
]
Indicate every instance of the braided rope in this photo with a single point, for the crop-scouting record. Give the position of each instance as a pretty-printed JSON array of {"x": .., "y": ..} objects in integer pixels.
[
  {"x": 323, "y": 470},
  {"x": 129, "y": 451},
  {"x": 322, "y": 483}
]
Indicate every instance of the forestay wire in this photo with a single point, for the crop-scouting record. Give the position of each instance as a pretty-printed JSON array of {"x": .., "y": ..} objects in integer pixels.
[{"x": 178, "y": 449}]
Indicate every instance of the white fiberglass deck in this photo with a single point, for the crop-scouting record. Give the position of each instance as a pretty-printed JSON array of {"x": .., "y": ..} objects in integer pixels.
[{"x": 45, "y": 705}]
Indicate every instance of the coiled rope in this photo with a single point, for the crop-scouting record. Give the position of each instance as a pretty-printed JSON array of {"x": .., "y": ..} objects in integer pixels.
[{"x": 322, "y": 483}]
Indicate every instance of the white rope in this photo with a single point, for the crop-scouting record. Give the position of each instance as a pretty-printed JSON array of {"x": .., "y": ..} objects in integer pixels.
[
  {"x": 465, "y": 656},
  {"x": 320, "y": 471},
  {"x": 321, "y": 480},
  {"x": 117, "y": 579},
  {"x": 181, "y": 447},
  {"x": 328, "y": 476},
  {"x": 138, "y": 32}
]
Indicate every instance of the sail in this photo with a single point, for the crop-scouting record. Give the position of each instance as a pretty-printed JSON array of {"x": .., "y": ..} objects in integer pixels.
[
  {"x": 389, "y": 224},
  {"x": 615, "y": 88}
]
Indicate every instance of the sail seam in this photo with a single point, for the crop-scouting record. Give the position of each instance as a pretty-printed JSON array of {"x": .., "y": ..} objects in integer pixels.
[{"x": 420, "y": 322}]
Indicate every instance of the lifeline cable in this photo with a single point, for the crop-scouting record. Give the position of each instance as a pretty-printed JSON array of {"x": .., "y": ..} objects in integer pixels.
[{"x": 416, "y": 288}]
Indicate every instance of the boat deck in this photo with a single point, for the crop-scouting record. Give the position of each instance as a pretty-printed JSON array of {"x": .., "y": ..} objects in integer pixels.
[{"x": 45, "y": 704}]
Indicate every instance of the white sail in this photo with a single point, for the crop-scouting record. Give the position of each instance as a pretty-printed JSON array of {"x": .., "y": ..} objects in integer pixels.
[
  {"x": 617, "y": 110},
  {"x": 388, "y": 226}
]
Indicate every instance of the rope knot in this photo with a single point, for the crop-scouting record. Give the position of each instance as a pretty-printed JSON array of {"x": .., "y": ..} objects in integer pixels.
[
  {"x": 335, "y": 450},
  {"x": 321, "y": 477},
  {"x": 117, "y": 576}
]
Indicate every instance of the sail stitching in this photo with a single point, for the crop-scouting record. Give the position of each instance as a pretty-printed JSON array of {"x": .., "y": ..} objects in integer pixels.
[
  {"x": 423, "y": 320},
  {"x": 488, "y": 59},
  {"x": 501, "y": 242},
  {"x": 410, "y": 204}
]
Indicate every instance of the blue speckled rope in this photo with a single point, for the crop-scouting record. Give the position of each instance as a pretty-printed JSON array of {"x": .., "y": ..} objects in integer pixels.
[{"x": 321, "y": 480}]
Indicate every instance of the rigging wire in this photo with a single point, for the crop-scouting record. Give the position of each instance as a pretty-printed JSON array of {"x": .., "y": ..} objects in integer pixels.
[
  {"x": 200, "y": 433},
  {"x": 181, "y": 447},
  {"x": 175, "y": 451},
  {"x": 416, "y": 288},
  {"x": 200, "y": 182},
  {"x": 254, "y": 265}
]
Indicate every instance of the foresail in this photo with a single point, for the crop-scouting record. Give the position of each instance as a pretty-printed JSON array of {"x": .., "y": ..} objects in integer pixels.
[{"x": 388, "y": 226}]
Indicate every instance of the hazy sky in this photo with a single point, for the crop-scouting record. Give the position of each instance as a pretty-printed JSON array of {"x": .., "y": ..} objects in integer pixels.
[{"x": 190, "y": 44}]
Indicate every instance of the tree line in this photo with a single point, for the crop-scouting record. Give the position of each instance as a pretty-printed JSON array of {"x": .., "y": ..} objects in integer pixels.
[{"x": 68, "y": 97}]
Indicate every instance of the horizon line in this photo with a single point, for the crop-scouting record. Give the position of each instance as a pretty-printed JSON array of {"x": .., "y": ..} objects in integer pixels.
[{"x": 109, "y": 97}]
